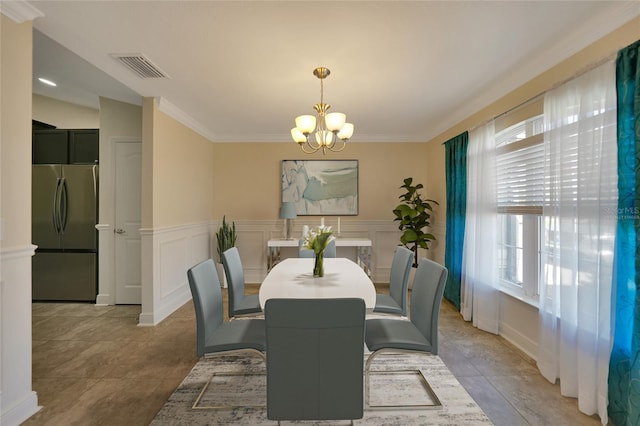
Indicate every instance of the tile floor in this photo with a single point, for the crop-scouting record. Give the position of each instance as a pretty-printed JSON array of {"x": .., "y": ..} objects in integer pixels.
[{"x": 94, "y": 366}]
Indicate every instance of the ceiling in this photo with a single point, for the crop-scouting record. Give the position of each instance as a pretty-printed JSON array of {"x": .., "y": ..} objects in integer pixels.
[{"x": 240, "y": 71}]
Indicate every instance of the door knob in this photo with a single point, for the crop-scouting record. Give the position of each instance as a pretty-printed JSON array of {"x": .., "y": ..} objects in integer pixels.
[{"x": 120, "y": 231}]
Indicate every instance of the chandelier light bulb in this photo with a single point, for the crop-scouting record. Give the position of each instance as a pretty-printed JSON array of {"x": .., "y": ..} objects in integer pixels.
[
  {"x": 324, "y": 138},
  {"x": 306, "y": 124},
  {"x": 298, "y": 136},
  {"x": 335, "y": 121},
  {"x": 346, "y": 132}
]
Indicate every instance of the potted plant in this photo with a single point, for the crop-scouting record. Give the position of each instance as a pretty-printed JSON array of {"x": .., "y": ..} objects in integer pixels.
[
  {"x": 414, "y": 213},
  {"x": 226, "y": 237}
]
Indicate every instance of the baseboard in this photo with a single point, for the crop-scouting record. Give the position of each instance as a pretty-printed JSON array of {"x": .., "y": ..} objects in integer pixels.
[
  {"x": 103, "y": 300},
  {"x": 519, "y": 340},
  {"x": 145, "y": 320},
  {"x": 20, "y": 412}
]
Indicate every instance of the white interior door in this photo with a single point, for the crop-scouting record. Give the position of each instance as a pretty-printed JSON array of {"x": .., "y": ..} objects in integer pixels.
[{"x": 127, "y": 224}]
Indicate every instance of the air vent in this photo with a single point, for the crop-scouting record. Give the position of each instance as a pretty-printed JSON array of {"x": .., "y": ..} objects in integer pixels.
[{"x": 140, "y": 65}]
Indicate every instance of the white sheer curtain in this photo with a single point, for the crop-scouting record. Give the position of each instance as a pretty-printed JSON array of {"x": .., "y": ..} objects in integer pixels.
[
  {"x": 579, "y": 221},
  {"x": 479, "y": 297}
]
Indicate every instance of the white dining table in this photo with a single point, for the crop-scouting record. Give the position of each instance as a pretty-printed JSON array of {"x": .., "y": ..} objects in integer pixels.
[{"x": 293, "y": 278}]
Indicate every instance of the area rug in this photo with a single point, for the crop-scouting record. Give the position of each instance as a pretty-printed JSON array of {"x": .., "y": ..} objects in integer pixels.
[{"x": 241, "y": 381}]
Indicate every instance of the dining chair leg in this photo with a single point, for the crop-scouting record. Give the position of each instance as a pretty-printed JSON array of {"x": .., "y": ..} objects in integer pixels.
[
  {"x": 196, "y": 404},
  {"x": 425, "y": 383}
]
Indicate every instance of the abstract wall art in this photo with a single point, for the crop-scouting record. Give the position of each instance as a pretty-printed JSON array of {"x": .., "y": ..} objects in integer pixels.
[{"x": 321, "y": 187}]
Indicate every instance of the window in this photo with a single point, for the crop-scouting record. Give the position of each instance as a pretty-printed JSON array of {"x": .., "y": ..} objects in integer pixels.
[
  {"x": 520, "y": 196},
  {"x": 519, "y": 254}
]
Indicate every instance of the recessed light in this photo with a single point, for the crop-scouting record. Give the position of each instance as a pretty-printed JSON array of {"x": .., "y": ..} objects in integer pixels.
[{"x": 49, "y": 82}]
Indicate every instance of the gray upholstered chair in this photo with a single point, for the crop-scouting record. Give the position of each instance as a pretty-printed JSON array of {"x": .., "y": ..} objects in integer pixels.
[
  {"x": 213, "y": 334},
  {"x": 330, "y": 251},
  {"x": 420, "y": 334},
  {"x": 239, "y": 303},
  {"x": 396, "y": 301},
  {"x": 315, "y": 353}
]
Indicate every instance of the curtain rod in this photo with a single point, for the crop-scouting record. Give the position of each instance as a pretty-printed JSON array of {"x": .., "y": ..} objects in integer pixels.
[{"x": 577, "y": 74}]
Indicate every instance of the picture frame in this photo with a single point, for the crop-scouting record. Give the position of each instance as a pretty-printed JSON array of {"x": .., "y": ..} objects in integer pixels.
[{"x": 321, "y": 187}]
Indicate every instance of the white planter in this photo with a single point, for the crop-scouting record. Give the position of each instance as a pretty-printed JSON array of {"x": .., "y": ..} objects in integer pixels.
[
  {"x": 412, "y": 274},
  {"x": 221, "y": 276}
]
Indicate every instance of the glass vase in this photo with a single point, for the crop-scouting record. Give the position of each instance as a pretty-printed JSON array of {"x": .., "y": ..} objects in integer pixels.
[{"x": 318, "y": 267}]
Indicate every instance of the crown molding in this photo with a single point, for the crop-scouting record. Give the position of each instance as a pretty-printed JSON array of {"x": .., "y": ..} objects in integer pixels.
[
  {"x": 286, "y": 138},
  {"x": 19, "y": 11},
  {"x": 179, "y": 115}
]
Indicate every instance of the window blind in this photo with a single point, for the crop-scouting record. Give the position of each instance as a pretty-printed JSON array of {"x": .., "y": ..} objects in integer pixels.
[
  {"x": 577, "y": 162},
  {"x": 520, "y": 168}
]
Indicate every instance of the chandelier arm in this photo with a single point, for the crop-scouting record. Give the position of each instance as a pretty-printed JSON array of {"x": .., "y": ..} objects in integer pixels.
[
  {"x": 344, "y": 144},
  {"x": 313, "y": 150}
]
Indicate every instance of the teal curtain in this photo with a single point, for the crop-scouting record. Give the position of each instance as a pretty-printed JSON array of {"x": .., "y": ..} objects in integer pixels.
[
  {"x": 624, "y": 367},
  {"x": 456, "y": 172}
]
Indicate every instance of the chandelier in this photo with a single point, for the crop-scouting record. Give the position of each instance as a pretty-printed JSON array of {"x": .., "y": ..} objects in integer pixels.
[{"x": 331, "y": 127}]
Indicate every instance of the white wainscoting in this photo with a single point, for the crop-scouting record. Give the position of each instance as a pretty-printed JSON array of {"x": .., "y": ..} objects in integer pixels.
[
  {"x": 384, "y": 235},
  {"x": 253, "y": 236},
  {"x": 167, "y": 254},
  {"x": 18, "y": 401}
]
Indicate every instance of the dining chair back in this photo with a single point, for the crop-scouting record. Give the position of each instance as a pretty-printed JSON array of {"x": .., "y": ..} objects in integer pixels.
[
  {"x": 396, "y": 301},
  {"x": 212, "y": 333},
  {"x": 330, "y": 251},
  {"x": 426, "y": 298},
  {"x": 239, "y": 303},
  {"x": 315, "y": 361}
]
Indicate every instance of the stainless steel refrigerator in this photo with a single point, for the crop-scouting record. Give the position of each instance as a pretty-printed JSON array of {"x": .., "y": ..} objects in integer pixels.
[{"x": 64, "y": 216}]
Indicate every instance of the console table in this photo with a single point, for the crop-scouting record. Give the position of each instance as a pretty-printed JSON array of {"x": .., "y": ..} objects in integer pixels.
[{"x": 362, "y": 245}]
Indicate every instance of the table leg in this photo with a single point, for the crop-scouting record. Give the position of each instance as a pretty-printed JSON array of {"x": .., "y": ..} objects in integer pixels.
[
  {"x": 364, "y": 258},
  {"x": 273, "y": 257}
]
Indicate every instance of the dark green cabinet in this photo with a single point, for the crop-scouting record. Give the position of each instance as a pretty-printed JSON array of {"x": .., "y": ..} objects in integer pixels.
[
  {"x": 65, "y": 146},
  {"x": 83, "y": 146},
  {"x": 50, "y": 147}
]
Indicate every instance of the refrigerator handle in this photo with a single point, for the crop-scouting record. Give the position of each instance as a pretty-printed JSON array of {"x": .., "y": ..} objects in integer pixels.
[
  {"x": 64, "y": 203},
  {"x": 94, "y": 172},
  {"x": 55, "y": 212}
]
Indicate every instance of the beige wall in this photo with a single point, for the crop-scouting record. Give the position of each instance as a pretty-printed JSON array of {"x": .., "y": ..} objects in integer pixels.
[
  {"x": 119, "y": 120},
  {"x": 17, "y": 399},
  {"x": 15, "y": 137},
  {"x": 599, "y": 50},
  {"x": 146, "y": 205},
  {"x": 247, "y": 176},
  {"x": 64, "y": 115},
  {"x": 180, "y": 175}
]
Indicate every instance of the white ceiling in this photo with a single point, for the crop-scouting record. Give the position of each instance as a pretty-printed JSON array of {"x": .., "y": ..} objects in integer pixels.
[{"x": 242, "y": 70}]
